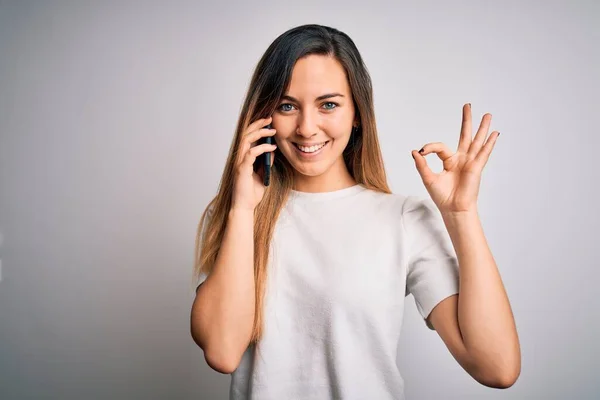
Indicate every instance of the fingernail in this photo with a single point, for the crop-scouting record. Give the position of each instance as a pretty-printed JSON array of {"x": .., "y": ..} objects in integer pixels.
[
  {"x": 469, "y": 105},
  {"x": 498, "y": 133},
  {"x": 413, "y": 156},
  {"x": 421, "y": 151}
]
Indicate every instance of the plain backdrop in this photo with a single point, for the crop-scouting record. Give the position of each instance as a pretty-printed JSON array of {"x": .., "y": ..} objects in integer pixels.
[{"x": 116, "y": 118}]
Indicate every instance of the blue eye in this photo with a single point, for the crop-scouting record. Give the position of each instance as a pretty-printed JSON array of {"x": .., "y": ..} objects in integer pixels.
[
  {"x": 284, "y": 104},
  {"x": 333, "y": 106}
]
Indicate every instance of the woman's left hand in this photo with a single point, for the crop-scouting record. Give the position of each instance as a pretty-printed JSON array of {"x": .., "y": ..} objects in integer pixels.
[{"x": 455, "y": 189}]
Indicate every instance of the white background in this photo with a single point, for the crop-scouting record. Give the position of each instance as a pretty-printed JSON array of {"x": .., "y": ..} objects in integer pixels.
[{"x": 115, "y": 121}]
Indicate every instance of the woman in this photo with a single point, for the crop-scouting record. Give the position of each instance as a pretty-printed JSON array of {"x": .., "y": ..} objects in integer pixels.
[{"x": 302, "y": 282}]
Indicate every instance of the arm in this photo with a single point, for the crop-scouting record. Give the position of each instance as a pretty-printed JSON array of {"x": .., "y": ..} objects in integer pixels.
[
  {"x": 477, "y": 325},
  {"x": 222, "y": 315}
]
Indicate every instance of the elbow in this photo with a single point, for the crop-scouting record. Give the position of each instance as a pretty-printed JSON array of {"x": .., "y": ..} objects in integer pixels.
[
  {"x": 223, "y": 350},
  {"x": 508, "y": 378},
  {"x": 215, "y": 356},
  {"x": 510, "y": 371},
  {"x": 220, "y": 361},
  {"x": 500, "y": 378},
  {"x": 498, "y": 371}
]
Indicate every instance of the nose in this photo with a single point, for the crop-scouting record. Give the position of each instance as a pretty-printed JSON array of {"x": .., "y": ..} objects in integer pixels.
[{"x": 308, "y": 124}]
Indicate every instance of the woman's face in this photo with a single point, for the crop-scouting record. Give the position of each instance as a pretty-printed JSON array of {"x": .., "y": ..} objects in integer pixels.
[{"x": 318, "y": 112}]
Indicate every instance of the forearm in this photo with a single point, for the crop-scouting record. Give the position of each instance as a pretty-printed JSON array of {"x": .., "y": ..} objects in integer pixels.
[
  {"x": 484, "y": 314},
  {"x": 223, "y": 311}
]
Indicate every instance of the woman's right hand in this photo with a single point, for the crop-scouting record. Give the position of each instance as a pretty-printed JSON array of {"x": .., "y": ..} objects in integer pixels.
[{"x": 248, "y": 186}]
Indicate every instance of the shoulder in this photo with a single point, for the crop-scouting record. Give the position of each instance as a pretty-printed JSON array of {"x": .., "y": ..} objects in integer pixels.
[
  {"x": 409, "y": 213},
  {"x": 417, "y": 204},
  {"x": 401, "y": 204},
  {"x": 421, "y": 219},
  {"x": 414, "y": 213},
  {"x": 382, "y": 201}
]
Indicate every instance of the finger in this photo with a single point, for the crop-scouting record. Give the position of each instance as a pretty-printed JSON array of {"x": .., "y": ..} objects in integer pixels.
[
  {"x": 482, "y": 158},
  {"x": 250, "y": 140},
  {"x": 439, "y": 148},
  {"x": 259, "y": 123},
  {"x": 254, "y": 152},
  {"x": 465, "y": 130},
  {"x": 254, "y": 127},
  {"x": 427, "y": 175},
  {"x": 252, "y": 137},
  {"x": 480, "y": 136}
]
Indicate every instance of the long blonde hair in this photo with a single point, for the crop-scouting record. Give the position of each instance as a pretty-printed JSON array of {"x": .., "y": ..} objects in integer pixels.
[{"x": 271, "y": 78}]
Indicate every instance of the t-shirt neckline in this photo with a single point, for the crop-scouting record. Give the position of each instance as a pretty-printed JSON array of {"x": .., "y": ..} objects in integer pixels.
[{"x": 335, "y": 194}]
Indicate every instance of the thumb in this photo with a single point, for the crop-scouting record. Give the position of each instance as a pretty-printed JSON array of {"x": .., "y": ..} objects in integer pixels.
[{"x": 421, "y": 163}]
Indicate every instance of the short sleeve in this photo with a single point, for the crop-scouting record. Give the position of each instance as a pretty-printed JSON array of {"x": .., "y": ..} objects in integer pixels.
[
  {"x": 209, "y": 213},
  {"x": 432, "y": 270}
]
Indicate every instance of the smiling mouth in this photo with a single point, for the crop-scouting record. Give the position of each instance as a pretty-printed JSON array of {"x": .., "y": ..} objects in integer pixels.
[{"x": 310, "y": 149}]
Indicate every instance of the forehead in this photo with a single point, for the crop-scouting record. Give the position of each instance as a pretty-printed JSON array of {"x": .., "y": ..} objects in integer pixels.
[{"x": 314, "y": 75}]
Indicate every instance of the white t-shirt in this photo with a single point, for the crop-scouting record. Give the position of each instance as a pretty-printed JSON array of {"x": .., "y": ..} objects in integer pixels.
[{"x": 340, "y": 266}]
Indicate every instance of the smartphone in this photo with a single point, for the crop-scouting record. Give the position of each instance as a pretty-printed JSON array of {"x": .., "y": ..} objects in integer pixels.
[{"x": 265, "y": 158}]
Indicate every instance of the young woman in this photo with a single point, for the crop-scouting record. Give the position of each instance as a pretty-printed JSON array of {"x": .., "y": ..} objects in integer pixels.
[{"x": 302, "y": 282}]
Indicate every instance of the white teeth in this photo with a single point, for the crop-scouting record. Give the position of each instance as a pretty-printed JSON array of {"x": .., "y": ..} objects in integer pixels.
[{"x": 311, "y": 149}]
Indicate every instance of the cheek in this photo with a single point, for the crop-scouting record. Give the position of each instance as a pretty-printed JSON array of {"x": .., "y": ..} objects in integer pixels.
[
  {"x": 339, "y": 133},
  {"x": 339, "y": 126},
  {"x": 283, "y": 144}
]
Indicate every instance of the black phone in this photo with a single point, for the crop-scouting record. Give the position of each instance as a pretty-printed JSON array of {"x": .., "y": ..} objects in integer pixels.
[{"x": 265, "y": 158}]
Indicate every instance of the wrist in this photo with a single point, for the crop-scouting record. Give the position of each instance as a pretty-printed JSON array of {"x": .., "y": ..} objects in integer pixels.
[{"x": 461, "y": 216}]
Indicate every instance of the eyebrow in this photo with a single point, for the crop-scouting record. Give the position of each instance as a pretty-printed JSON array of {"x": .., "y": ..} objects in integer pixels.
[{"x": 322, "y": 97}]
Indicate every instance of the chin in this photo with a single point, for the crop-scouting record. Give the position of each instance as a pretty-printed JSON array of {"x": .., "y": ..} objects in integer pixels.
[
  {"x": 312, "y": 172},
  {"x": 313, "y": 169}
]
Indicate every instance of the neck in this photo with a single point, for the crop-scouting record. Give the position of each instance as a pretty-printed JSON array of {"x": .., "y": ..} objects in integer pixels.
[{"x": 336, "y": 178}]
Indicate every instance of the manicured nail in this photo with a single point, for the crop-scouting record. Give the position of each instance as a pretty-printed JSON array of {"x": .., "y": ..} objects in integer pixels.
[{"x": 421, "y": 151}]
